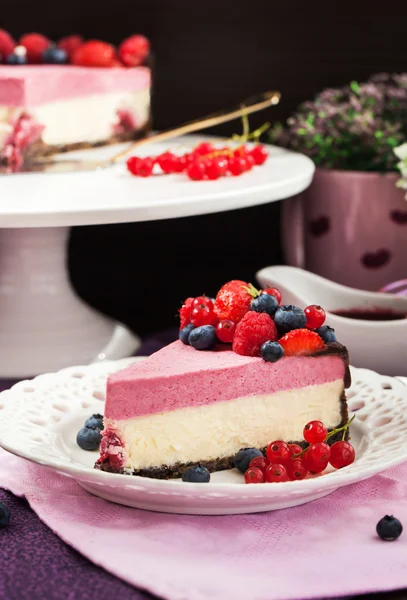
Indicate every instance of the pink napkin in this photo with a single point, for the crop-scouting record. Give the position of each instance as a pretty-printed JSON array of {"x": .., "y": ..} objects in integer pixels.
[{"x": 322, "y": 549}]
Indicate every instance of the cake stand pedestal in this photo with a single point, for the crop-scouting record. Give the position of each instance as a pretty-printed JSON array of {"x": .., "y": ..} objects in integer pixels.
[{"x": 44, "y": 325}]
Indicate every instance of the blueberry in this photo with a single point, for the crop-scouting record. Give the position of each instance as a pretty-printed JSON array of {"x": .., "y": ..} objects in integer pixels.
[
  {"x": 265, "y": 303},
  {"x": 271, "y": 351},
  {"x": 289, "y": 317},
  {"x": 196, "y": 474},
  {"x": 54, "y": 56},
  {"x": 88, "y": 439},
  {"x": 16, "y": 59},
  {"x": 94, "y": 422},
  {"x": 389, "y": 528},
  {"x": 244, "y": 456},
  {"x": 326, "y": 333},
  {"x": 184, "y": 333},
  {"x": 203, "y": 337},
  {"x": 5, "y": 515}
]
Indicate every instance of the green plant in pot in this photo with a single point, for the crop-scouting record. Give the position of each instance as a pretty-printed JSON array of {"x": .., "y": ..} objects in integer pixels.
[{"x": 351, "y": 224}]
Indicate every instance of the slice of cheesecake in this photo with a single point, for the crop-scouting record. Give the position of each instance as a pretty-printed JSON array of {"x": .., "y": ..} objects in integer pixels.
[{"x": 181, "y": 407}]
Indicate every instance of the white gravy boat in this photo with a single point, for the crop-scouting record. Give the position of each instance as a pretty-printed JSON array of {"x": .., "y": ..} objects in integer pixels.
[{"x": 380, "y": 345}]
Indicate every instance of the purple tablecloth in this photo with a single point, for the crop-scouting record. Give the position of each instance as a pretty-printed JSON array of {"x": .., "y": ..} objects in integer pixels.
[{"x": 36, "y": 565}]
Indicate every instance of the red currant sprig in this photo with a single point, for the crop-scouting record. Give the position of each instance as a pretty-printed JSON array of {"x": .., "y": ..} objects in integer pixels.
[{"x": 204, "y": 162}]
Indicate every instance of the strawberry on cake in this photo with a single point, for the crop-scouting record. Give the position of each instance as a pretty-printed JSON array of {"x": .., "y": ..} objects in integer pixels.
[
  {"x": 73, "y": 95},
  {"x": 245, "y": 371}
]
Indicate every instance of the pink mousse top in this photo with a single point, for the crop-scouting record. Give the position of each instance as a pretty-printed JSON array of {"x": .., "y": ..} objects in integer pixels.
[
  {"x": 179, "y": 376},
  {"x": 33, "y": 85}
]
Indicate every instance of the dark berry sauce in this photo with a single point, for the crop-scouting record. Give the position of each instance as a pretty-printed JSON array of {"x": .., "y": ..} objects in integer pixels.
[{"x": 374, "y": 314}]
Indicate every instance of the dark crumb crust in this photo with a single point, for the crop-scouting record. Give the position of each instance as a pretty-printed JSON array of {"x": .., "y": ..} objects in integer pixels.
[{"x": 221, "y": 464}]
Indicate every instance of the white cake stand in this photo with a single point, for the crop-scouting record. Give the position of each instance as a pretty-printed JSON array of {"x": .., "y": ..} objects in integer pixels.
[{"x": 44, "y": 325}]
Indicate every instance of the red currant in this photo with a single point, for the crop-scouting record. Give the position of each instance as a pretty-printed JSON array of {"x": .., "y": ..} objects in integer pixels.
[
  {"x": 315, "y": 431},
  {"x": 180, "y": 164},
  {"x": 132, "y": 164},
  {"x": 315, "y": 316},
  {"x": 250, "y": 161},
  {"x": 254, "y": 475},
  {"x": 273, "y": 292},
  {"x": 196, "y": 171},
  {"x": 241, "y": 151},
  {"x": 260, "y": 154},
  {"x": 167, "y": 162},
  {"x": 212, "y": 170},
  {"x": 144, "y": 167},
  {"x": 296, "y": 469},
  {"x": 225, "y": 331},
  {"x": 202, "y": 315},
  {"x": 204, "y": 148},
  {"x": 278, "y": 452},
  {"x": 317, "y": 457},
  {"x": 295, "y": 449},
  {"x": 205, "y": 300},
  {"x": 237, "y": 165},
  {"x": 275, "y": 473},
  {"x": 222, "y": 163},
  {"x": 342, "y": 454},
  {"x": 259, "y": 462}
]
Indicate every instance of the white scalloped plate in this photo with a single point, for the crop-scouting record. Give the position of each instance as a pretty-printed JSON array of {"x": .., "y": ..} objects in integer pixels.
[{"x": 39, "y": 420}]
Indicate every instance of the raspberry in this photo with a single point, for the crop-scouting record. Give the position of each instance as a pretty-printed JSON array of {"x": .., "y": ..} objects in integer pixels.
[
  {"x": 185, "y": 312},
  {"x": 35, "y": 44},
  {"x": 70, "y": 43},
  {"x": 233, "y": 301},
  {"x": 95, "y": 54},
  {"x": 7, "y": 44},
  {"x": 134, "y": 50},
  {"x": 301, "y": 342},
  {"x": 252, "y": 332}
]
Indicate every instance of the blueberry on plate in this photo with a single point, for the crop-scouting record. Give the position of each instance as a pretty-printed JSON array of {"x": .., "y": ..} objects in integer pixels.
[
  {"x": 389, "y": 528},
  {"x": 196, "y": 474},
  {"x": 88, "y": 439},
  {"x": 5, "y": 515},
  {"x": 265, "y": 303},
  {"x": 94, "y": 422},
  {"x": 244, "y": 456},
  {"x": 326, "y": 333},
  {"x": 16, "y": 59},
  {"x": 289, "y": 317},
  {"x": 184, "y": 333},
  {"x": 271, "y": 351},
  {"x": 203, "y": 337},
  {"x": 54, "y": 56}
]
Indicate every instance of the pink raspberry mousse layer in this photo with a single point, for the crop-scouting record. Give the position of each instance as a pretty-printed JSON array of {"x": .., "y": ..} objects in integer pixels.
[
  {"x": 34, "y": 85},
  {"x": 179, "y": 376}
]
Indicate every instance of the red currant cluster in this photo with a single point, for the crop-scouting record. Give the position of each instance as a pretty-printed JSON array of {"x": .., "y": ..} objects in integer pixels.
[
  {"x": 288, "y": 462},
  {"x": 205, "y": 161},
  {"x": 200, "y": 311}
]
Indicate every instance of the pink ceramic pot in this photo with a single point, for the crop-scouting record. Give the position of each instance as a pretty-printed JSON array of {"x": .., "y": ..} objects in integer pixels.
[{"x": 350, "y": 227}]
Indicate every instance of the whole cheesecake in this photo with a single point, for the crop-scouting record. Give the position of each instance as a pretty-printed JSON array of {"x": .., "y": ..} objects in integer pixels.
[
  {"x": 85, "y": 102},
  {"x": 245, "y": 371}
]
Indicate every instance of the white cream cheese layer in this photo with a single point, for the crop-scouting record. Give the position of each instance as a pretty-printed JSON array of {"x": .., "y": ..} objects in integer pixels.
[
  {"x": 86, "y": 119},
  {"x": 219, "y": 430}
]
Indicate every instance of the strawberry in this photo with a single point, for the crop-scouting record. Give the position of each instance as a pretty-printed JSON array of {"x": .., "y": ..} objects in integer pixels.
[
  {"x": 185, "y": 312},
  {"x": 35, "y": 44},
  {"x": 252, "y": 332},
  {"x": 95, "y": 54},
  {"x": 233, "y": 300},
  {"x": 134, "y": 50},
  {"x": 70, "y": 43},
  {"x": 301, "y": 341},
  {"x": 7, "y": 44}
]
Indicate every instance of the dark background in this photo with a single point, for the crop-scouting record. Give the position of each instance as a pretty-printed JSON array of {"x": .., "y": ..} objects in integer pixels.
[{"x": 210, "y": 54}]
